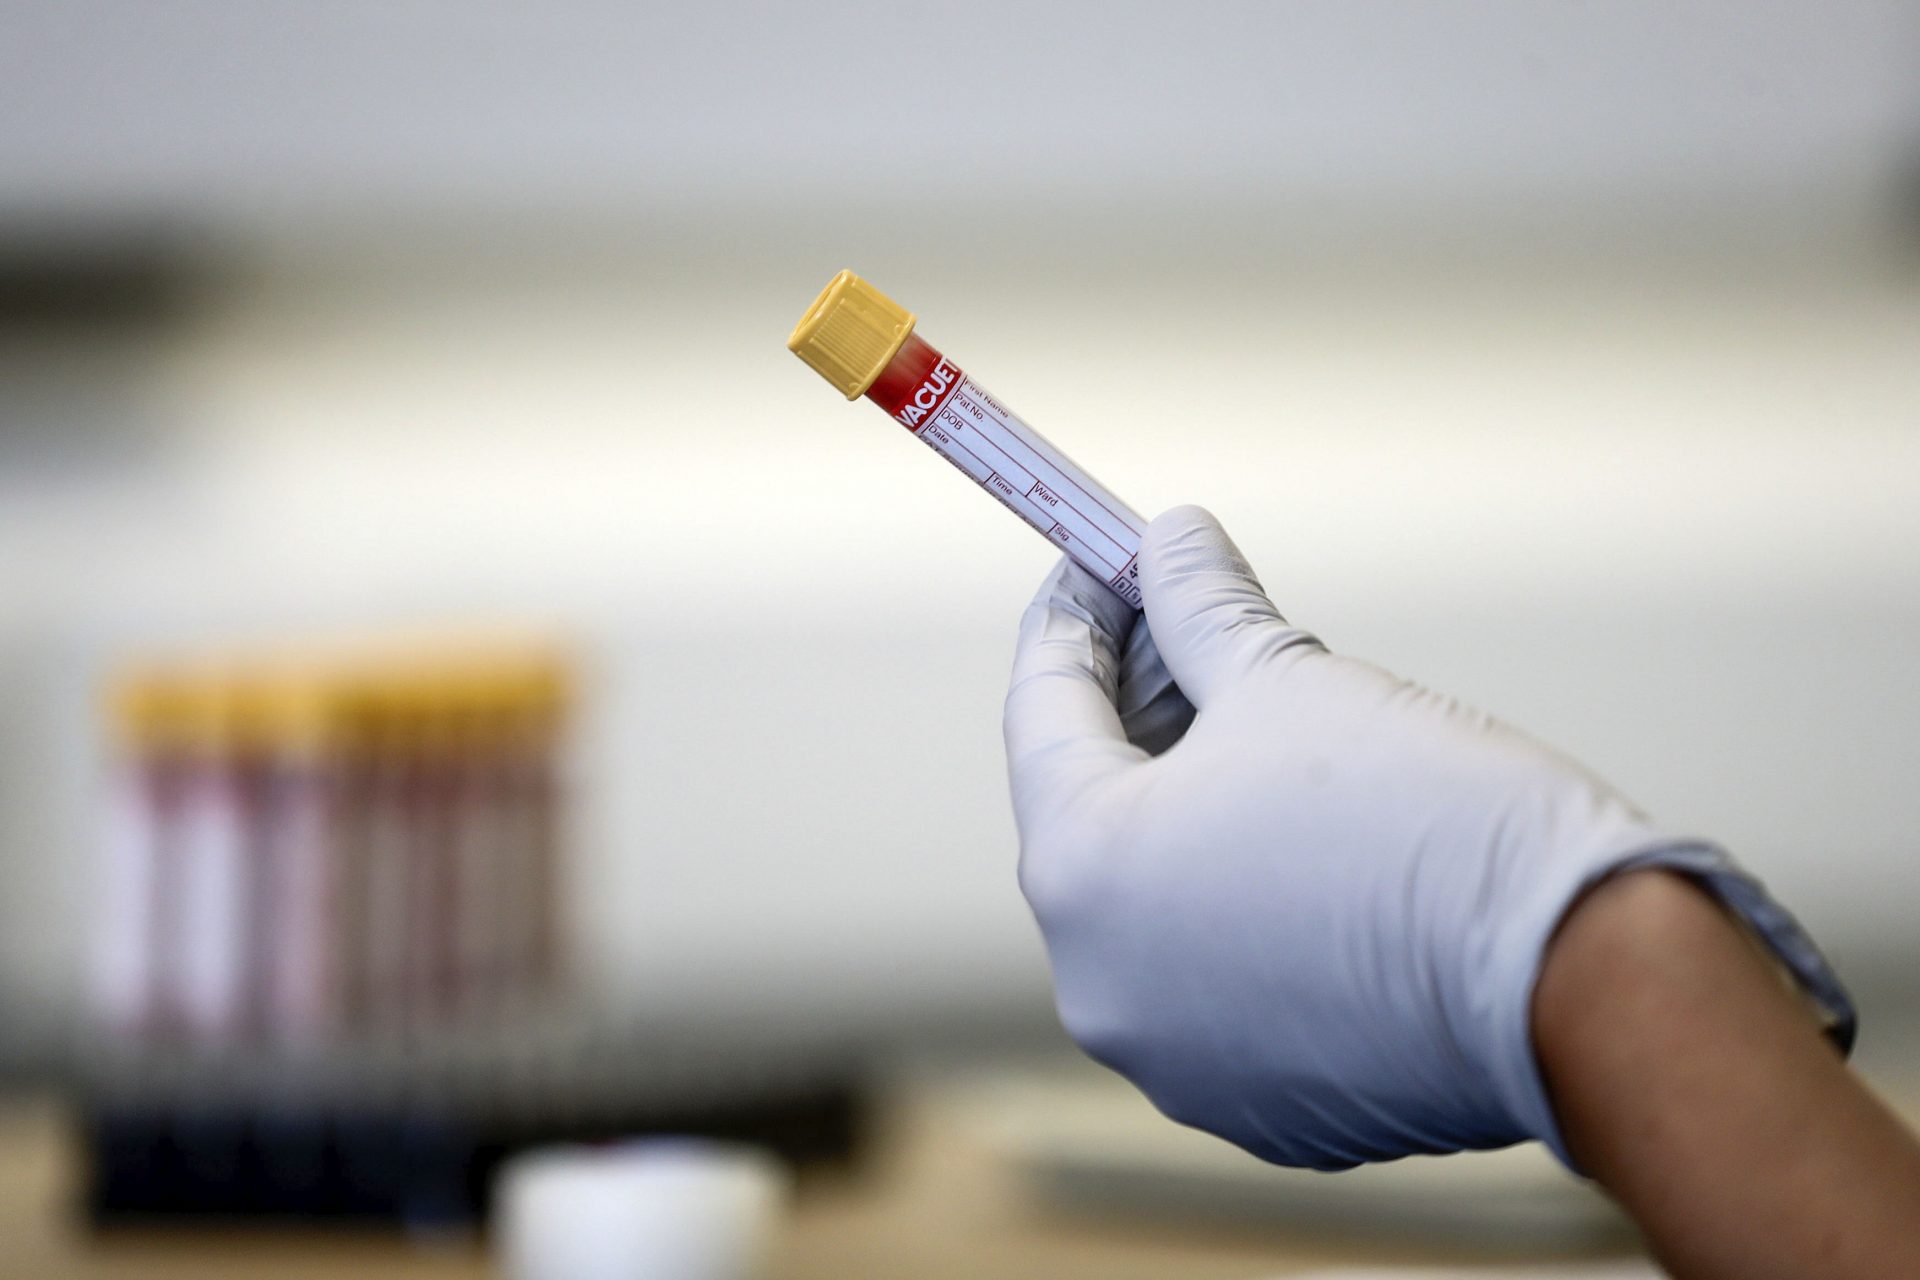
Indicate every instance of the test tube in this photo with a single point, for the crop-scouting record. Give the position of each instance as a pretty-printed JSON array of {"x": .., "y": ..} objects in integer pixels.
[
  {"x": 300, "y": 890},
  {"x": 863, "y": 343},
  {"x": 150, "y": 712},
  {"x": 213, "y": 864}
]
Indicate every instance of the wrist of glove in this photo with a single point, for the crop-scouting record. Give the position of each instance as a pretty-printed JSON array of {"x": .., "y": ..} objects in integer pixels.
[{"x": 1300, "y": 902}]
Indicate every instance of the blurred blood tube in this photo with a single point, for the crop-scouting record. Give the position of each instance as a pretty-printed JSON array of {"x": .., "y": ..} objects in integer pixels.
[
  {"x": 146, "y": 770},
  {"x": 432, "y": 885},
  {"x": 394, "y": 827},
  {"x": 863, "y": 343},
  {"x": 479, "y": 847},
  {"x": 212, "y": 868},
  {"x": 542, "y": 697},
  {"x": 300, "y": 895}
]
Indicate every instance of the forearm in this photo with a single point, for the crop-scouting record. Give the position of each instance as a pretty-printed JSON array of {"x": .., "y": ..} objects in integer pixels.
[{"x": 1699, "y": 1092}]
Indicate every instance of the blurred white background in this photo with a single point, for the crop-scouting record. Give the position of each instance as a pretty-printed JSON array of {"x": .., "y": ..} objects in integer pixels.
[{"x": 1567, "y": 358}]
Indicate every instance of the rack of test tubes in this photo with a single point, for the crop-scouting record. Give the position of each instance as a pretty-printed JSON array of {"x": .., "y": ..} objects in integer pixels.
[
  {"x": 330, "y": 977},
  {"x": 306, "y": 851}
]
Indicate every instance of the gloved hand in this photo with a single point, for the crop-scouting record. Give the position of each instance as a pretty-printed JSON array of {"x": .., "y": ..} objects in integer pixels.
[{"x": 1306, "y": 909}]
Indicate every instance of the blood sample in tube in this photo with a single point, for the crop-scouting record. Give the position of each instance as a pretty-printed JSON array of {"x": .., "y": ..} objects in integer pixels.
[{"x": 864, "y": 343}]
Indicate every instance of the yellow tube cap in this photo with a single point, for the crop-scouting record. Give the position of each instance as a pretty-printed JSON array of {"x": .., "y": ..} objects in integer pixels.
[{"x": 850, "y": 333}]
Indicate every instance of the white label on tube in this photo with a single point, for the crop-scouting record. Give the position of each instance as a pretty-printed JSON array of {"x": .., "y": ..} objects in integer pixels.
[
  {"x": 212, "y": 906},
  {"x": 1038, "y": 483},
  {"x": 124, "y": 945},
  {"x": 298, "y": 900}
]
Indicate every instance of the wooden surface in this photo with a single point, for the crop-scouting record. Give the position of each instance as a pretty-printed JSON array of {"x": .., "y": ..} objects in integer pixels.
[{"x": 933, "y": 1203}]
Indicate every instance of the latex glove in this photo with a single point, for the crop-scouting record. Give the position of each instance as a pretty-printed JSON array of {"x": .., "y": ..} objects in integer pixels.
[{"x": 1310, "y": 920}]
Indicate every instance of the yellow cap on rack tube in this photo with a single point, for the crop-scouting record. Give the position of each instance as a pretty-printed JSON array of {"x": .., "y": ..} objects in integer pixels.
[
  {"x": 152, "y": 708},
  {"x": 851, "y": 333}
]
